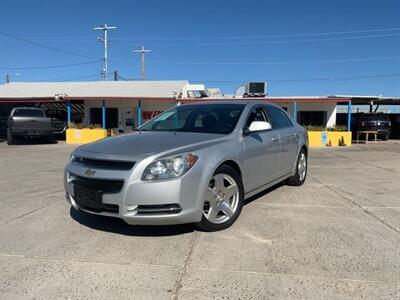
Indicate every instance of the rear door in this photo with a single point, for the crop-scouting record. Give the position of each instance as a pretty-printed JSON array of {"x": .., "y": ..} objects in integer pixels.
[
  {"x": 289, "y": 138},
  {"x": 262, "y": 153}
]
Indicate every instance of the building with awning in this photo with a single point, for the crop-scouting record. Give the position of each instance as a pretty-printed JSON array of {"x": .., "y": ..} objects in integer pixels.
[{"x": 124, "y": 105}]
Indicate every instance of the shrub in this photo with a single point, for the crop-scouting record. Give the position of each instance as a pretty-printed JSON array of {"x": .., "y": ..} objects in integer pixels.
[{"x": 322, "y": 128}]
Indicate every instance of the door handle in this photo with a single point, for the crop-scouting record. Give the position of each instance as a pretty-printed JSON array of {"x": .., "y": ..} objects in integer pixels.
[{"x": 274, "y": 139}]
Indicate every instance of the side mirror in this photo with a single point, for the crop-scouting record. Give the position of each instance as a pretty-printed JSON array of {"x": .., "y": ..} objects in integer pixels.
[{"x": 259, "y": 126}]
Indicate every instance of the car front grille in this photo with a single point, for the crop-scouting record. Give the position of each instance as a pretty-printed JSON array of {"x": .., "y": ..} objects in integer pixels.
[
  {"x": 104, "y": 164},
  {"x": 105, "y": 185},
  {"x": 112, "y": 208}
]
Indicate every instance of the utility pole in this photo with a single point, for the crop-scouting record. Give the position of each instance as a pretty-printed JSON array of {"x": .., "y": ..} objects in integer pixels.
[
  {"x": 104, "y": 40},
  {"x": 142, "y": 53}
]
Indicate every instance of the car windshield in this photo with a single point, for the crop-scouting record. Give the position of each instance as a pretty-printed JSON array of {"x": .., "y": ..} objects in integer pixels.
[
  {"x": 374, "y": 117},
  {"x": 210, "y": 118},
  {"x": 28, "y": 113}
]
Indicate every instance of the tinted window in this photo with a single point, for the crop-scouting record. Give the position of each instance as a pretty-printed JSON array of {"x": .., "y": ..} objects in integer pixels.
[
  {"x": 211, "y": 118},
  {"x": 28, "y": 113},
  {"x": 312, "y": 118},
  {"x": 257, "y": 114},
  {"x": 278, "y": 118},
  {"x": 96, "y": 116}
]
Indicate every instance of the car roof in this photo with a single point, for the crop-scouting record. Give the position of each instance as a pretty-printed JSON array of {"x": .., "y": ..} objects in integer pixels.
[
  {"x": 227, "y": 101},
  {"x": 26, "y": 107}
]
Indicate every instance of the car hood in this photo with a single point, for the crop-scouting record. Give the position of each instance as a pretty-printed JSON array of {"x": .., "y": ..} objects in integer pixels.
[{"x": 139, "y": 145}]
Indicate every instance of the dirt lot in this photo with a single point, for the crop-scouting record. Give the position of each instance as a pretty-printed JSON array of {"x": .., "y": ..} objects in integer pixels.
[{"x": 338, "y": 236}]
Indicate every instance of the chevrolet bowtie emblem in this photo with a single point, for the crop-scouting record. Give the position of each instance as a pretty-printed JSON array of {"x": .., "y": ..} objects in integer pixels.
[{"x": 89, "y": 172}]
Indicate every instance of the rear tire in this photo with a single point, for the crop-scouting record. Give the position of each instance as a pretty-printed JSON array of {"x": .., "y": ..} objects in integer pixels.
[
  {"x": 10, "y": 139},
  {"x": 301, "y": 169},
  {"x": 224, "y": 200},
  {"x": 50, "y": 139}
]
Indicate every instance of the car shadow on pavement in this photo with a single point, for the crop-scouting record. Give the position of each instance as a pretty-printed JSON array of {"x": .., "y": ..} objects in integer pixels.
[
  {"x": 263, "y": 193},
  {"x": 34, "y": 142},
  {"x": 118, "y": 226}
]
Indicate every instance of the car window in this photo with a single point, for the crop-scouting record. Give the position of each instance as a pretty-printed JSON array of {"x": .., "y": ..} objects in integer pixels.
[
  {"x": 211, "y": 118},
  {"x": 278, "y": 118},
  {"x": 28, "y": 113},
  {"x": 257, "y": 114}
]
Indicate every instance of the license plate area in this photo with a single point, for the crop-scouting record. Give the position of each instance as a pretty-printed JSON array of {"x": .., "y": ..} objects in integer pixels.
[{"x": 88, "y": 198}]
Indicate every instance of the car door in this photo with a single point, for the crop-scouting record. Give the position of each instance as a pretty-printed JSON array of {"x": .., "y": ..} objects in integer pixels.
[
  {"x": 289, "y": 138},
  {"x": 262, "y": 153}
]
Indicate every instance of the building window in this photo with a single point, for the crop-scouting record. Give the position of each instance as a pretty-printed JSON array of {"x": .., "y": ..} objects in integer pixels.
[
  {"x": 111, "y": 117},
  {"x": 317, "y": 118}
]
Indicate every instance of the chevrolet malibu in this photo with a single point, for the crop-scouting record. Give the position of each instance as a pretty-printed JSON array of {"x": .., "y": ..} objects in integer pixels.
[{"x": 195, "y": 163}]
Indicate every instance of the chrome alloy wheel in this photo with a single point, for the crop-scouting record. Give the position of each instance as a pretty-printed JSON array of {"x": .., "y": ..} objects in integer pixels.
[
  {"x": 222, "y": 199},
  {"x": 302, "y": 166}
]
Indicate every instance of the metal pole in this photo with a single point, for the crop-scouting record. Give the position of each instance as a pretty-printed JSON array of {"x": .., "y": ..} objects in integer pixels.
[
  {"x": 142, "y": 52},
  {"x": 349, "y": 109},
  {"x": 104, "y": 40},
  {"x": 294, "y": 110},
  {"x": 69, "y": 113},
  {"x": 142, "y": 65},
  {"x": 103, "y": 114},
  {"x": 139, "y": 114},
  {"x": 106, "y": 53}
]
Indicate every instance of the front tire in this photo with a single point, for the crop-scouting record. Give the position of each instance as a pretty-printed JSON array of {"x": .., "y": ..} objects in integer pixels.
[
  {"x": 301, "y": 169},
  {"x": 224, "y": 200}
]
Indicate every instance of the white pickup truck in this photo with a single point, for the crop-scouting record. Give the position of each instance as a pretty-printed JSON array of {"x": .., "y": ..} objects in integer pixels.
[{"x": 29, "y": 122}]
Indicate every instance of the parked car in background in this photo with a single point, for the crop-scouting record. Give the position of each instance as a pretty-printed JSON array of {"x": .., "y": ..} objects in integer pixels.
[
  {"x": 379, "y": 122},
  {"x": 195, "y": 163},
  {"x": 29, "y": 123},
  {"x": 59, "y": 122}
]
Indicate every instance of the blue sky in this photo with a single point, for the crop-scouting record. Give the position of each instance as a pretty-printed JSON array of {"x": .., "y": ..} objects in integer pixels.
[{"x": 299, "y": 47}]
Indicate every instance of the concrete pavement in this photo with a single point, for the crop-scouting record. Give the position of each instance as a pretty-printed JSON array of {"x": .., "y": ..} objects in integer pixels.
[{"x": 336, "y": 237}]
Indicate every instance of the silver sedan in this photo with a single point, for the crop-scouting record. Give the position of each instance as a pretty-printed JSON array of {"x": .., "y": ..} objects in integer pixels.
[{"x": 195, "y": 163}]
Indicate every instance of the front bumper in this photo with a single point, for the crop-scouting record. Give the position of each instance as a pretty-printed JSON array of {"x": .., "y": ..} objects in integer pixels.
[
  {"x": 31, "y": 133},
  {"x": 167, "y": 202}
]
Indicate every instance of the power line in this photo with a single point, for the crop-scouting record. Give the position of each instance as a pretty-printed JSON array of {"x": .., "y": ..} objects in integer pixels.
[
  {"x": 306, "y": 79},
  {"x": 280, "y": 62},
  {"x": 292, "y": 41},
  {"x": 93, "y": 77},
  {"x": 45, "y": 46},
  {"x": 51, "y": 67},
  {"x": 87, "y": 38},
  {"x": 264, "y": 36}
]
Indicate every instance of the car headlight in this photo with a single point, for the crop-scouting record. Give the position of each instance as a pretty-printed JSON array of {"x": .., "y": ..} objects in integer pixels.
[{"x": 167, "y": 168}]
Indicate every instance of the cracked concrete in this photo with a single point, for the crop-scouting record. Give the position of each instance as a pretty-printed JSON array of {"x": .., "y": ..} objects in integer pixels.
[{"x": 336, "y": 237}]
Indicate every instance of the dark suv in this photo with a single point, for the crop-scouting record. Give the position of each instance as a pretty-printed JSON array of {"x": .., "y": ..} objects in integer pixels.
[{"x": 379, "y": 122}]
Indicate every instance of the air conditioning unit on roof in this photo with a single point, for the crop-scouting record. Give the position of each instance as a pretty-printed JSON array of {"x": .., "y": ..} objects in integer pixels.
[{"x": 255, "y": 89}]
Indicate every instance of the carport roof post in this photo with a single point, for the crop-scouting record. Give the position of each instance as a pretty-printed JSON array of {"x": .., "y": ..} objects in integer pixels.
[
  {"x": 349, "y": 109},
  {"x": 294, "y": 110},
  {"x": 139, "y": 114},
  {"x": 69, "y": 113},
  {"x": 103, "y": 114}
]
